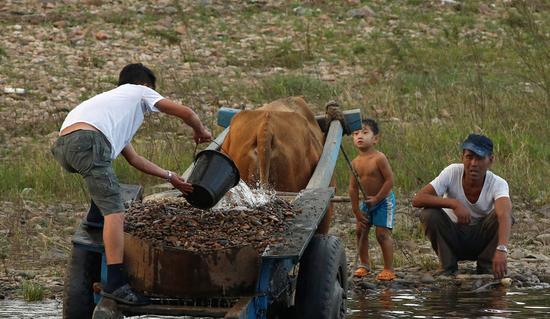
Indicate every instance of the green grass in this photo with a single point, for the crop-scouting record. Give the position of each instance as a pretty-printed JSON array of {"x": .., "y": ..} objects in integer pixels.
[
  {"x": 170, "y": 36},
  {"x": 46, "y": 180},
  {"x": 430, "y": 74},
  {"x": 32, "y": 291},
  {"x": 278, "y": 86}
]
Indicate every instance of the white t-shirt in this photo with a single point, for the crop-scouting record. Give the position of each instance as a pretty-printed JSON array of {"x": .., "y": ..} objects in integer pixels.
[
  {"x": 117, "y": 113},
  {"x": 449, "y": 184}
]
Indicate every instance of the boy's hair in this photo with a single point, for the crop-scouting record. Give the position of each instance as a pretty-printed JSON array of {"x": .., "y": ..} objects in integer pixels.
[
  {"x": 372, "y": 124},
  {"x": 137, "y": 73}
]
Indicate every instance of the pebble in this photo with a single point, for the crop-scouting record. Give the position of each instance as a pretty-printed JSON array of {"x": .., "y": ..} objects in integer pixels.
[{"x": 427, "y": 278}]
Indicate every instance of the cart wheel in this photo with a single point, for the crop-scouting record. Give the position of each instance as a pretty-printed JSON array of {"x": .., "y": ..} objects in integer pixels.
[
  {"x": 78, "y": 297},
  {"x": 322, "y": 287}
]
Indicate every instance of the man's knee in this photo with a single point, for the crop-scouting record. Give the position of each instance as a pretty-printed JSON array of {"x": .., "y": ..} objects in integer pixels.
[
  {"x": 490, "y": 222},
  {"x": 432, "y": 216}
]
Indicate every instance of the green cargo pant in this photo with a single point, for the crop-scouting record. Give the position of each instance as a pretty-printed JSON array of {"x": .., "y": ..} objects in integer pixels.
[{"x": 88, "y": 153}]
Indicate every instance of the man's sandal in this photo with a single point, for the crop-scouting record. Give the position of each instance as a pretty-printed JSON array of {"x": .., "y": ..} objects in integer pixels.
[
  {"x": 128, "y": 296},
  {"x": 386, "y": 275},
  {"x": 361, "y": 271}
]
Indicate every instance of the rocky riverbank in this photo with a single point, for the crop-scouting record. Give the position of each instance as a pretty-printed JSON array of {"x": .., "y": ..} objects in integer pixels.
[{"x": 38, "y": 246}]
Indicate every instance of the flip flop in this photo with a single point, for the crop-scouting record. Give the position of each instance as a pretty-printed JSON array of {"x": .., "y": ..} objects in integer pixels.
[
  {"x": 386, "y": 275},
  {"x": 361, "y": 271}
]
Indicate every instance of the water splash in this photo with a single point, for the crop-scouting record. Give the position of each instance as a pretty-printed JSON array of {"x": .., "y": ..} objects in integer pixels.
[{"x": 242, "y": 197}]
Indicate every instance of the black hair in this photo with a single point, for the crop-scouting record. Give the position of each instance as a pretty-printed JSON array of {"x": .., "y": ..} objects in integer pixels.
[
  {"x": 137, "y": 73},
  {"x": 372, "y": 124}
]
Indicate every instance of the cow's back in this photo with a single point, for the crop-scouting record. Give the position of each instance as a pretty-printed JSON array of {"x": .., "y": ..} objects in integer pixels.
[{"x": 278, "y": 144}]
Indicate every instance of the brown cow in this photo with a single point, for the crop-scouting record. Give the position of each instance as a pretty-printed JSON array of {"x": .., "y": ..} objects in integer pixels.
[{"x": 277, "y": 145}]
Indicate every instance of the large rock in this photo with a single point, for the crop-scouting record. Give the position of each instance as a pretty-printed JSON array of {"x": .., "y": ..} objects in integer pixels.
[
  {"x": 544, "y": 238},
  {"x": 545, "y": 210},
  {"x": 363, "y": 12}
]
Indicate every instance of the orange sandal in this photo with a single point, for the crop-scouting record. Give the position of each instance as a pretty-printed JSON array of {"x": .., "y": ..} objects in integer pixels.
[
  {"x": 361, "y": 271},
  {"x": 386, "y": 275}
]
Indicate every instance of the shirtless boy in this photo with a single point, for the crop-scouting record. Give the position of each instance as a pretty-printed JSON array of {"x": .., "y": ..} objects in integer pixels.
[{"x": 378, "y": 208}]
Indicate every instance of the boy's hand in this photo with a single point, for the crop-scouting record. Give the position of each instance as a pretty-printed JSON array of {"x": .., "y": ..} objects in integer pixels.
[
  {"x": 371, "y": 201},
  {"x": 181, "y": 184},
  {"x": 361, "y": 220},
  {"x": 202, "y": 136}
]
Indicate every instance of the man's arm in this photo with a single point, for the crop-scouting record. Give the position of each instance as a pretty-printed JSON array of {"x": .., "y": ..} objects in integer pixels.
[
  {"x": 148, "y": 167},
  {"x": 503, "y": 211},
  {"x": 200, "y": 132},
  {"x": 427, "y": 197}
]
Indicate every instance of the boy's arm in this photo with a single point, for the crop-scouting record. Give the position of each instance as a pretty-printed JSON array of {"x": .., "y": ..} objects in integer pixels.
[
  {"x": 148, "y": 167},
  {"x": 200, "y": 133},
  {"x": 354, "y": 198},
  {"x": 385, "y": 169}
]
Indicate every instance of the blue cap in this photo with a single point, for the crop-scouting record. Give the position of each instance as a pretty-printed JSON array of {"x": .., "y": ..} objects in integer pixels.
[{"x": 479, "y": 144}]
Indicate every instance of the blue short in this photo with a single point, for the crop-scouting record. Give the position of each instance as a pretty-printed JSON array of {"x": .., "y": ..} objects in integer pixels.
[{"x": 382, "y": 214}]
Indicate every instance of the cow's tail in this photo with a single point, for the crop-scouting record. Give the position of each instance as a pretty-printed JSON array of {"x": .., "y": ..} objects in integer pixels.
[{"x": 264, "y": 147}]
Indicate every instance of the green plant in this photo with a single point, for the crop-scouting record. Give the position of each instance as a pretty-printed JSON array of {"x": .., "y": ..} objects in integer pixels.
[
  {"x": 32, "y": 291},
  {"x": 428, "y": 262},
  {"x": 284, "y": 54},
  {"x": 171, "y": 36},
  {"x": 278, "y": 86}
]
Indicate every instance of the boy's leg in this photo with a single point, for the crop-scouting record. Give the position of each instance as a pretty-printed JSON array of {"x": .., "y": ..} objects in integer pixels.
[
  {"x": 362, "y": 234},
  {"x": 384, "y": 218},
  {"x": 383, "y": 235},
  {"x": 363, "y": 243},
  {"x": 384, "y": 238}
]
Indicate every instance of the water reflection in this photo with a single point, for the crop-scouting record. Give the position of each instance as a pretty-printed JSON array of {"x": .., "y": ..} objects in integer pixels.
[
  {"x": 446, "y": 303},
  {"x": 450, "y": 303},
  {"x": 17, "y": 309}
]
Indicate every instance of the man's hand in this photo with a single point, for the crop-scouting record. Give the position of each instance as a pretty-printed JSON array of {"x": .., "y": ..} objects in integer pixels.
[
  {"x": 181, "y": 184},
  {"x": 499, "y": 264},
  {"x": 202, "y": 136},
  {"x": 462, "y": 213}
]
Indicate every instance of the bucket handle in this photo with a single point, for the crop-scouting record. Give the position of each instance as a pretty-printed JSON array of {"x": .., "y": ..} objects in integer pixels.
[{"x": 213, "y": 141}]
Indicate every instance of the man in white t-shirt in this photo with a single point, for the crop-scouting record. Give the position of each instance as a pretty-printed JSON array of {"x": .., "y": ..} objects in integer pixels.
[
  {"x": 94, "y": 133},
  {"x": 467, "y": 211}
]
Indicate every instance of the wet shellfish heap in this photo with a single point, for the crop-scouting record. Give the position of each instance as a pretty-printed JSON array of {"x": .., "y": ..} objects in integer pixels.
[{"x": 174, "y": 223}]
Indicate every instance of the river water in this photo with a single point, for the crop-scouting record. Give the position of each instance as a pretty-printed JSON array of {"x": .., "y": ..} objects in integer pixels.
[{"x": 451, "y": 303}]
